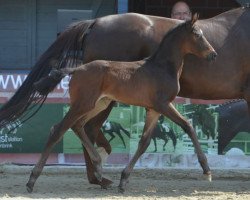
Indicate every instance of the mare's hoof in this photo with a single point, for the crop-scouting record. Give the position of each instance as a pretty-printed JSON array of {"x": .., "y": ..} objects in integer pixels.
[{"x": 29, "y": 188}]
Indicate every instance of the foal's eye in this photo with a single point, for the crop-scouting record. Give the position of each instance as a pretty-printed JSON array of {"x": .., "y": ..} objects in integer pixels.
[{"x": 197, "y": 34}]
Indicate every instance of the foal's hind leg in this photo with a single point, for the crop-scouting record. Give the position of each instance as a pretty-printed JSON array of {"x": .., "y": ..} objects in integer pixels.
[
  {"x": 151, "y": 120},
  {"x": 56, "y": 134},
  {"x": 170, "y": 112},
  {"x": 93, "y": 130}
]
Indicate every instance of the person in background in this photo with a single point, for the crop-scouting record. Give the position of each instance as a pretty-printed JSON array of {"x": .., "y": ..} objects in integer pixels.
[{"x": 181, "y": 11}]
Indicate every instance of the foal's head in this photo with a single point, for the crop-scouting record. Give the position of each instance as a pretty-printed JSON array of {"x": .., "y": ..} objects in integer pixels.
[{"x": 194, "y": 42}]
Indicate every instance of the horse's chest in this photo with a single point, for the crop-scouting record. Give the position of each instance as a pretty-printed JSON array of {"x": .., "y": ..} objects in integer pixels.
[{"x": 169, "y": 87}]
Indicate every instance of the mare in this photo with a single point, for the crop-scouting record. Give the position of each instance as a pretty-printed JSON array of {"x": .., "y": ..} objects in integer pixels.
[
  {"x": 206, "y": 119},
  {"x": 129, "y": 37},
  {"x": 95, "y": 85},
  {"x": 233, "y": 118},
  {"x": 111, "y": 127}
]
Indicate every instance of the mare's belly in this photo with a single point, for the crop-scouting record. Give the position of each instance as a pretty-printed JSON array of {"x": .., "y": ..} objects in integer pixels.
[{"x": 210, "y": 90}]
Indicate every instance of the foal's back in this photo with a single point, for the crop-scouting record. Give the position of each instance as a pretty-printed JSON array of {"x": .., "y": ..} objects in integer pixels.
[{"x": 127, "y": 82}]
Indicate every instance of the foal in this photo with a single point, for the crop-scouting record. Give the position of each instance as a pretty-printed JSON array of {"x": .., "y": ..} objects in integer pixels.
[{"x": 152, "y": 83}]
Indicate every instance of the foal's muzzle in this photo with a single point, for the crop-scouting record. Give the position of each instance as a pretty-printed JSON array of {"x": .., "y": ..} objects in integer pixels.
[{"x": 212, "y": 56}]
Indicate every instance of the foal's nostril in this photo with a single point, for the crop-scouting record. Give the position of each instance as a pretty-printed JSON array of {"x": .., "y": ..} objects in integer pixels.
[{"x": 212, "y": 56}]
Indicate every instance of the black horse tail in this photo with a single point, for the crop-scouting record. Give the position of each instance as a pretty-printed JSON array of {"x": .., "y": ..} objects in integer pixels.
[
  {"x": 172, "y": 135},
  {"x": 65, "y": 51}
]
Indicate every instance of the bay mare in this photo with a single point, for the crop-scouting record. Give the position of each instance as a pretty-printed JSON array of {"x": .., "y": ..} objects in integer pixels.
[
  {"x": 152, "y": 83},
  {"x": 131, "y": 36}
]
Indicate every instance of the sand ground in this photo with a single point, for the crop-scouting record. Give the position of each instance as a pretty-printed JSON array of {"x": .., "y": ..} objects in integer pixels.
[{"x": 171, "y": 184}]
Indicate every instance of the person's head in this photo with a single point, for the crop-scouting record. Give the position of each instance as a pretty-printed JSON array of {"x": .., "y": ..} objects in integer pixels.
[{"x": 181, "y": 11}]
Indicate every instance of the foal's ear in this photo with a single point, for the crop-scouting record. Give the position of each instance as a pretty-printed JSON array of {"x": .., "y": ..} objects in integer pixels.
[
  {"x": 195, "y": 17},
  {"x": 190, "y": 23}
]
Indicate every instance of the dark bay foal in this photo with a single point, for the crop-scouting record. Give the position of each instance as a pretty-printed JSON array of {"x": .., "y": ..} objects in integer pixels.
[{"x": 152, "y": 83}]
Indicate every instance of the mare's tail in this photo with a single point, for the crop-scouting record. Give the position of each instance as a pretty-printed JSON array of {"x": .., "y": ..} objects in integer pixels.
[
  {"x": 65, "y": 51},
  {"x": 172, "y": 135}
]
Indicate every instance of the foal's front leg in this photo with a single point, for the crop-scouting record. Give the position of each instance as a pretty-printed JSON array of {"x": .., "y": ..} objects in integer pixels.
[
  {"x": 151, "y": 120},
  {"x": 169, "y": 111}
]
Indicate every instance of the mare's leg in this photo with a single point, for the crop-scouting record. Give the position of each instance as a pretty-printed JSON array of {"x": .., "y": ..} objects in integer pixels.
[
  {"x": 151, "y": 120},
  {"x": 95, "y": 158},
  {"x": 93, "y": 130},
  {"x": 169, "y": 111},
  {"x": 56, "y": 133}
]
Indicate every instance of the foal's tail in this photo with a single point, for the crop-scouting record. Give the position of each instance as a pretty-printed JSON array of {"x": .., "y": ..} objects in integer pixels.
[{"x": 65, "y": 51}]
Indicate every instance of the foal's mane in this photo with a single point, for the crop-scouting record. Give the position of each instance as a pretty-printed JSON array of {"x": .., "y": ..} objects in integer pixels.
[{"x": 170, "y": 33}]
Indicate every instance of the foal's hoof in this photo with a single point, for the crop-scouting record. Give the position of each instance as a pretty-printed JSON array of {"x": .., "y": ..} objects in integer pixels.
[
  {"x": 29, "y": 188},
  {"x": 208, "y": 177}
]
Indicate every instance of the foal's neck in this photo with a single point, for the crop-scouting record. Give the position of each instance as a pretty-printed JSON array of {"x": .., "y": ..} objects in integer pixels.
[{"x": 169, "y": 53}]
